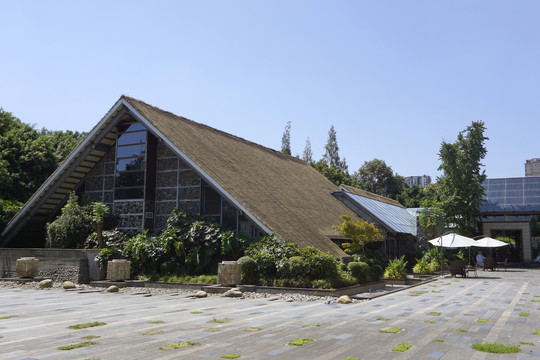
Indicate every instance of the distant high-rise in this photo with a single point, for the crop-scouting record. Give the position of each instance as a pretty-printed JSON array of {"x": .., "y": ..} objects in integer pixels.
[
  {"x": 422, "y": 181},
  {"x": 532, "y": 167}
]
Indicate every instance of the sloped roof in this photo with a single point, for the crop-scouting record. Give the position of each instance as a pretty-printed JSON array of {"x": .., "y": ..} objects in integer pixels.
[
  {"x": 387, "y": 212},
  {"x": 282, "y": 194}
]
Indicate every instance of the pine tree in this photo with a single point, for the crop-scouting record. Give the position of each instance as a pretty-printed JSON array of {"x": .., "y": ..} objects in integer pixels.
[
  {"x": 331, "y": 155},
  {"x": 308, "y": 154},
  {"x": 286, "y": 139}
]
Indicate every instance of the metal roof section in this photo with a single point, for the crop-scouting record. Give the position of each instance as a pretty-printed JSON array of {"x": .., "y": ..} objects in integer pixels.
[
  {"x": 394, "y": 218},
  {"x": 512, "y": 195}
]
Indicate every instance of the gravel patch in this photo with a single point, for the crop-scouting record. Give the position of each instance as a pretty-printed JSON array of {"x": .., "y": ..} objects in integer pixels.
[{"x": 147, "y": 291}]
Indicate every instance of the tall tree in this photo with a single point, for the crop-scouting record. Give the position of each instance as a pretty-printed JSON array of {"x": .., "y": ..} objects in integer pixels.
[
  {"x": 29, "y": 156},
  {"x": 308, "y": 154},
  {"x": 286, "y": 139},
  {"x": 460, "y": 185},
  {"x": 377, "y": 177},
  {"x": 331, "y": 154}
]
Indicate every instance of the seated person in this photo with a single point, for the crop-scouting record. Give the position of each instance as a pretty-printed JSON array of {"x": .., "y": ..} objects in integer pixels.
[{"x": 480, "y": 259}]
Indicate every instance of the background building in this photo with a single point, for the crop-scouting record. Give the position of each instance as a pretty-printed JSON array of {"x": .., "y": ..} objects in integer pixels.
[
  {"x": 532, "y": 167},
  {"x": 421, "y": 181}
]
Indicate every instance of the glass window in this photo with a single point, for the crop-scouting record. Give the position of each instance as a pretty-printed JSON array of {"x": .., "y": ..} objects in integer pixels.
[
  {"x": 130, "y": 164},
  {"x": 130, "y": 127},
  {"x": 212, "y": 202},
  {"x": 123, "y": 194},
  {"x": 130, "y": 151},
  {"x": 132, "y": 138},
  {"x": 125, "y": 179}
]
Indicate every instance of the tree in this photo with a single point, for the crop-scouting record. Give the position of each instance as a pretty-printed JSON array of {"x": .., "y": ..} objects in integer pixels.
[
  {"x": 431, "y": 218},
  {"x": 308, "y": 154},
  {"x": 377, "y": 177},
  {"x": 29, "y": 156},
  {"x": 333, "y": 174},
  {"x": 414, "y": 196},
  {"x": 331, "y": 155},
  {"x": 460, "y": 185},
  {"x": 99, "y": 212},
  {"x": 360, "y": 233},
  {"x": 286, "y": 139}
]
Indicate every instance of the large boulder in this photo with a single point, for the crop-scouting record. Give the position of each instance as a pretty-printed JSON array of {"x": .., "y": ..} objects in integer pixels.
[
  {"x": 47, "y": 283},
  {"x": 345, "y": 299},
  {"x": 66, "y": 285},
  {"x": 200, "y": 294}
]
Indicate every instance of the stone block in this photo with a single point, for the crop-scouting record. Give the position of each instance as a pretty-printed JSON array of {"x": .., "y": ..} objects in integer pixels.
[
  {"x": 229, "y": 273},
  {"x": 27, "y": 267},
  {"x": 118, "y": 270}
]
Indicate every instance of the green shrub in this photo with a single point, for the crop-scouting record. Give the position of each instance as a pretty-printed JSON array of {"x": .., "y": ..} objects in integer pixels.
[
  {"x": 106, "y": 255},
  {"x": 360, "y": 270},
  {"x": 8, "y": 209},
  {"x": 72, "y": 227},
  {"x": 422, "y": 266},
  {"x": 318, "y": 264},
  {"x": 376, "y": 271},
  {"x": 293, "y": 267},
  {"x": 249, "y": 270},
  {"x": 111, "y": 239},
  {"x": 268, "y": 253},
  {"x": 396, "y": 269}
]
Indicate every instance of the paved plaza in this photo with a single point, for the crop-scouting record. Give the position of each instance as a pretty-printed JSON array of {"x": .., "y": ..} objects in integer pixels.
[{"x": 440, "y": 320}]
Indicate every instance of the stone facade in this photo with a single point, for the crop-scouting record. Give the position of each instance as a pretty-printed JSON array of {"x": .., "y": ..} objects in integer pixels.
[{"x": 177, "y": 185}]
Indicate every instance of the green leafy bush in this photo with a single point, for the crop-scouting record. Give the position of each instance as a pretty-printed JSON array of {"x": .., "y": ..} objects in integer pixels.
[
  {"x": 249, "y": 270},
  {"x": 396, "y": 269},
  {"x": 8, "y": 209},
  {"x": 72, "y": 227},
  {"x": 360, "y": 271}
]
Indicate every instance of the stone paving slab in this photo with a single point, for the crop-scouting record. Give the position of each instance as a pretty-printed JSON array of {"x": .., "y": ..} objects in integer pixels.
[{"x": 34, "y": 323}]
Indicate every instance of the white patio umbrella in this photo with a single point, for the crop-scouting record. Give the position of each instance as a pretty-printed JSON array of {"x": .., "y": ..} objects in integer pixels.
[
  {"x": 488, "y": 242},
  {"x": 453, "y": 240}
]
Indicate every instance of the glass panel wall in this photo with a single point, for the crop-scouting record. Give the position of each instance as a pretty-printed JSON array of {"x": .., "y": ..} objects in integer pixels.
[{"x": 130, "y": 161}]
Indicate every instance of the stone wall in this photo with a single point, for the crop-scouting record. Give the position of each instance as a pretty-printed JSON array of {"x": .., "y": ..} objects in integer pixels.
[
  {"x": 177, "y": 185},
  {"x": 99, "y": 184},
  {"x": 58, "y": 264}
]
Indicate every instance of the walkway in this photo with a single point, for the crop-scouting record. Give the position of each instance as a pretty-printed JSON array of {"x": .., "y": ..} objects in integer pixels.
[{"x": 441, "y": 320}]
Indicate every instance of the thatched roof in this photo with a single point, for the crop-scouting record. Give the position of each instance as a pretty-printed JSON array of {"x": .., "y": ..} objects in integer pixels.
[{"x": 282, "y": 194}]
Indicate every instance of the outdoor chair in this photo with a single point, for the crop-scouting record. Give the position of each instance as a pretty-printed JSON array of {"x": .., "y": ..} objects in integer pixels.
[
  {"x": 458, "y": 267},
  {"x": 489, "y": 263},
  {"x": 473, "y": 269},
  {"x": 502, "y": 264}
]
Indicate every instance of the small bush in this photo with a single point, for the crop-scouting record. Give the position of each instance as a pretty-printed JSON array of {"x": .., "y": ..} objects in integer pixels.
[
  {"x": 249, "y": 270},
  {"x": 360, "y": 270},
  {"x": 72, "y": 227},
  {"x": 496, "y": 348},
  {"x": 396, "y": 269}
]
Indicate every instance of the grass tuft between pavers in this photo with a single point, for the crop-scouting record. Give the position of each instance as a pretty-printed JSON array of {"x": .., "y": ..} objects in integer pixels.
[
  {"x": 462, "y": 330},
  {"x": 178, "y": 345},
  {"x": 300, "y": 341},
  {"x": 526, "y": 343},
  {"x": 351, "y": 358},
  {"x": 230, "y": 356},
  {"x": 392, "y": 330},
  {"x": 536, "y": 332},
  {"x": 438, "y": 340},
  {"x": 525, "y": 314},
  {"x": 156, "y": 322},
  {"x": 482, "y": 320},
  {"x": 219, "y": 321},
  {"x": 8, "y": 317},
  {"x": 434, "y": 313},
  {"x": 75, "y": 346},
  {"x": 86, "y": 325},
  {"x": 253, "y": 329},
  {"x": 401, "y": 347},
  {"x": 496, "y": 348}
]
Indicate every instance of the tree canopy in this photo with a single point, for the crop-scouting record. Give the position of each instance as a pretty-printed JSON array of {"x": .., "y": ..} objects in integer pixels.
[
  {"x": 377, "y": 177},
  {"x": 29, "y": 156},
  {"x": 331, "y": 154},
  {"x": 460, "y": 185}
]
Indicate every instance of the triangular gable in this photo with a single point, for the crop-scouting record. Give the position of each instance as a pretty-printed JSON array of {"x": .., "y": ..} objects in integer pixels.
[{"x": 281, "y": 194}]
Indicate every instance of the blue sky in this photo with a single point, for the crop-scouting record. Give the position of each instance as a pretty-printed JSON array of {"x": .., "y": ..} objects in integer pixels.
[{"x": 395, "y": 78}]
